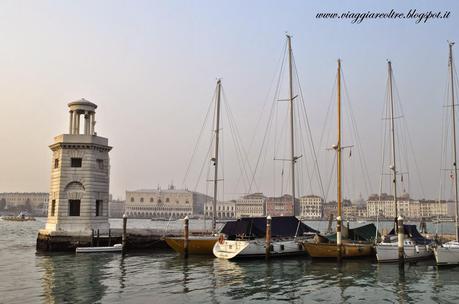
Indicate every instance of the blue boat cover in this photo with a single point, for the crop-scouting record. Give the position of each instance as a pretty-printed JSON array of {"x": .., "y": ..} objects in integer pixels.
[
  {"x": 413, "y": 233},
  {"x": 255, "y": 227}
]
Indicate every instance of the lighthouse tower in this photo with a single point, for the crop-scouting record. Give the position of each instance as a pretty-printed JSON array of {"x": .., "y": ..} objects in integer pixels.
[{"x": 80, "y": 174}]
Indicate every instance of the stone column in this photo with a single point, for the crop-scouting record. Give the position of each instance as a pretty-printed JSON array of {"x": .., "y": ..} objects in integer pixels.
[
  {"x": 71, "y": 123},
  {"x": 77, "y": 124},
  {"x": 86, "y": 123},
  {"x": 74, "y": 124},
  {"x": 90, "y": 122},
  {"x": 93, "y": 122}
]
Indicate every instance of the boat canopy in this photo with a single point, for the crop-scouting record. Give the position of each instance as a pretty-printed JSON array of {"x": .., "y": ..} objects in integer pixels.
[
  {"x": 413, "y": 233},
  {"x": 255, "y": 227},
  {"x": 365, "y": 233}
]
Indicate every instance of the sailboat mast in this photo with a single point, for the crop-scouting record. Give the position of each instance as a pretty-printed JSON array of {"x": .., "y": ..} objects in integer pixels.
[
  {"x": 292, "y": 138},
  {"x": 215, "y": 159},
  {"x": 339, "y": 140},
  {"x": 392, "y": 124},
  {"x": 338, "y": 150},
  {"x": 453, "y": 113}
]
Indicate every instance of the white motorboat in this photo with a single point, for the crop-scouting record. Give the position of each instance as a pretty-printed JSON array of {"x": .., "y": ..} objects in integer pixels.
[
  {"x": 387, "y": 251},
  {"x": 447, "y": 254},
  {"x": 114, "y": 248},
  {"x": 229, "y": 249},
  {"x": 246, "y": 238}
]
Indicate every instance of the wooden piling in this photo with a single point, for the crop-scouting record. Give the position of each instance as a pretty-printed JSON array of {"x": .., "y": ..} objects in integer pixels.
[
  {"x": 109, "y": 237},
  {"x": 401, "y": 241},
  {"x": 185, "y": 237},
  {"x": 98, "y": 237},
  {"x": 124, "y": 235},
  {"x": 268, "y": 237},
  {"x": 92, "y": 237},
  {"x": 338, "y": 238}
]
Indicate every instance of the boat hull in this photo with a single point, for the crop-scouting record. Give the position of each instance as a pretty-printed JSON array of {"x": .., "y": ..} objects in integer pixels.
[
  {"x": 114, "y": 248},
  {"x": 202, "y": 245},
  {"x": 229, "y": 249},
  {"x": 388, "y": 252},
  {"x": 447, "y": 254},
  {"x": 330, "y": 250}
]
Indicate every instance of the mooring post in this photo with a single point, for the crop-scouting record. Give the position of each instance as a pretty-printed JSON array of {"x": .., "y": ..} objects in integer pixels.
[
  {"x": 185, "y": 237},
  {"x": 92, "y": 237},
  {"x": 401, "y": 241},
  {"x": 338, "y": 238},
  {"x": 98, "y": 236},
  {"x": 124, "y": 235},
  {"x": 268, "y": 236},
  {"x": 109, "y": 237}
]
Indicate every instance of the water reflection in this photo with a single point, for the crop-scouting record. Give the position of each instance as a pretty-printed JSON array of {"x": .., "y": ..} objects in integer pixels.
[{"x": 78, "y": 278}]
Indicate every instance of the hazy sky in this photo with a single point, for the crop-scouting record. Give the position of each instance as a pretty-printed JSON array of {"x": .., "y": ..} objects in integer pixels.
[{"x": 151, "y": 68}]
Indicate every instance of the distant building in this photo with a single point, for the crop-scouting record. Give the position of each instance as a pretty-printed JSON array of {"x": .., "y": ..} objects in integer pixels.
[
  {"x": 116, "y": 208},
  {"x": 381, "y": 206},
  {"x": 354, "y": 212},
  {"x": 280, "y": 206},
  {"x": 251, "y": 205},
  {"x": 384, "y": 207},
  {"x": 331, "y": 208},
  {"x": 310, "y": 206},
  {"x": 175, "y": 203},
  {"x": 225, "y": 210},
  {"x": 33, "y": 202}
]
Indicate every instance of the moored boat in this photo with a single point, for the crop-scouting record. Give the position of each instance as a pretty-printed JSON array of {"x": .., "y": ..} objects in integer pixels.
[
  {"x": 358, "y": 243},
  {"x": 448, "y": 253},
  {"x": 204, "y": 244},
  {"x": 245, "y": 238},
  {"x": 337, "y": 246},
  {"x": 114, "y": 248},
  {"x": 196, "y": 244},
  {"x": 415, "y": 246}
]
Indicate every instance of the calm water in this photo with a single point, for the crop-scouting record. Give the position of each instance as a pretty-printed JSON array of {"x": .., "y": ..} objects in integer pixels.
[{"x": 164, "y": 277}]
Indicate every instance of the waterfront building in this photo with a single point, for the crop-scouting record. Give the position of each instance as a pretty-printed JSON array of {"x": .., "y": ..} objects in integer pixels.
[
  {"x": 159, "y": 203},
  {"x": 116, "y": 208},
  {"x": 80, "y": 168},
  {"x": 225, "y": 210},
  {"x": 33, "y": 202},
  {"x": 408, "y": 208},
  {"x": 432, "y": 208},
  {"x": 310, "y": 206},
  {"x": 251, "y": 205},
  {"x": 330, "y": 208},
  {"x": 280, "y": 206}
]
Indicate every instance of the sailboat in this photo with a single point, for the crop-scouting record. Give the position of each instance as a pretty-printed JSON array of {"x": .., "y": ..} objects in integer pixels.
[
  {"x": 287, "y": 232},
  {"x": 415, "y": 246},
  {"x": 203, "y": 244},
  {"x": 341, "y": 248},
  {"x": 448, "y": 253}
]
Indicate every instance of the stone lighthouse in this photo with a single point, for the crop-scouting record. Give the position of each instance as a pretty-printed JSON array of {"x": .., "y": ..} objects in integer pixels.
[{"x": 80, "y": 175}]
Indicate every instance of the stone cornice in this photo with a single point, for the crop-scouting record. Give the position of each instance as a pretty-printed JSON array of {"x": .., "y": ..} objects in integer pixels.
[{"x": 90, "y": 146}]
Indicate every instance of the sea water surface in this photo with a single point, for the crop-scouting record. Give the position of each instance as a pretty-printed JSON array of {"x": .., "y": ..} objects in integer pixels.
[{"x": 165, "y": 277}]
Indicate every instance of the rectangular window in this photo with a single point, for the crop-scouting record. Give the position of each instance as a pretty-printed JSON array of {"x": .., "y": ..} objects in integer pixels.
[
  {"x": 56, "y": 163},
  {"x": 53, "y": 207},
  {"x": 100, "y": 163},
  {"x": 74, "y": 207},
  {"x": 75, "y": 162},
  {"x": 99, "y": 207}
]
